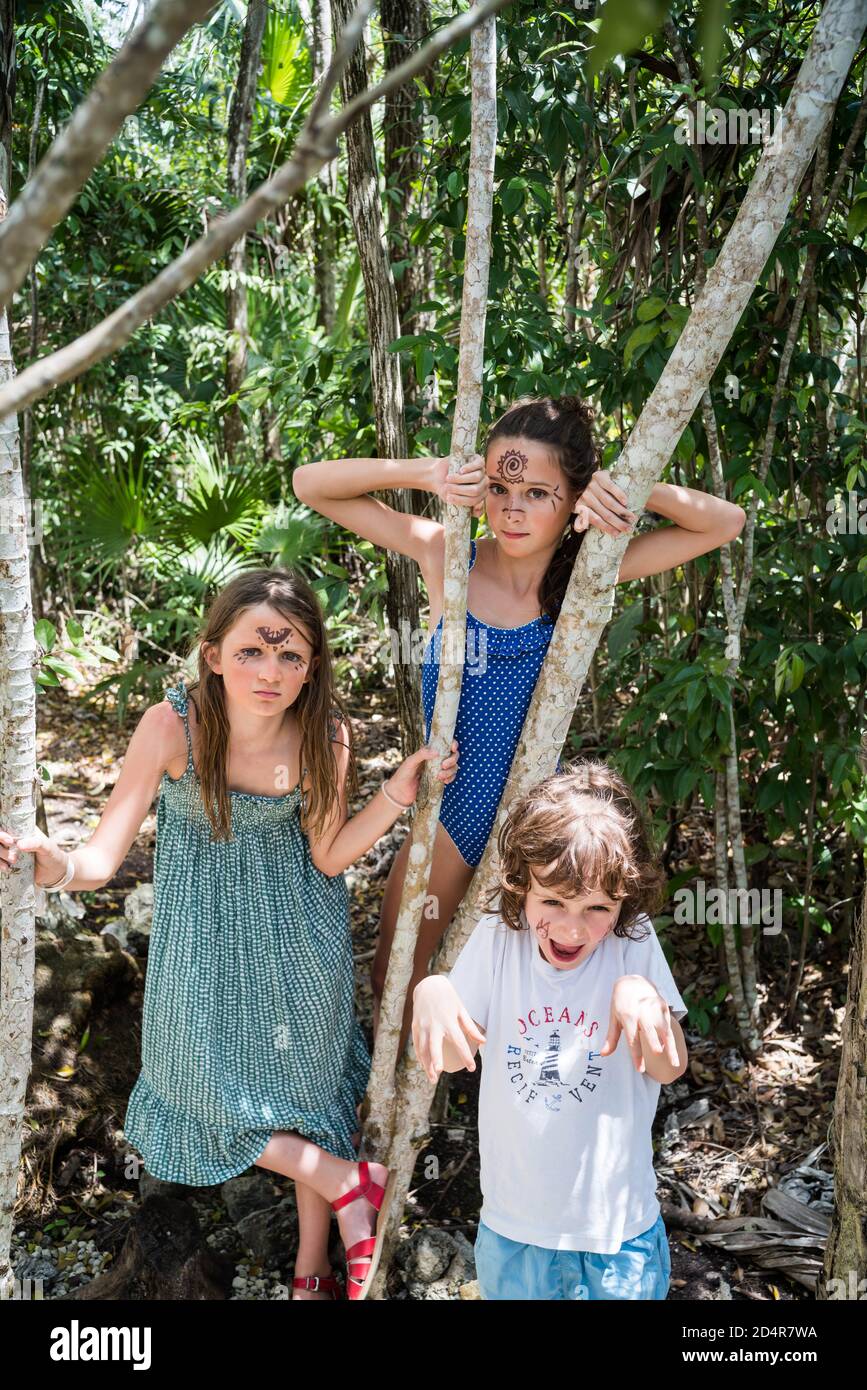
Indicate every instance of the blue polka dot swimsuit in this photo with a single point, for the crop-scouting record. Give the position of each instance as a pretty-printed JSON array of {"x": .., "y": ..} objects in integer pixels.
[{"x": 501, "y": 667}]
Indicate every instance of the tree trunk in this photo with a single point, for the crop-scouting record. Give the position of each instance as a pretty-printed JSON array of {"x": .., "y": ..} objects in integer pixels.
[
  {"x": 18, "y": 780},
  {"x": 403, "y": 25},
  {"x": 589, "y": 598},
  {"x": 380, "y": 1101},
  {"x": 240, "y": 121},
  {"x": 164, "y": 1258},
  {"x": 324, "y": 241},
  {"x": 846, "y": 1255},
  {"x": 383, "y": 326}
]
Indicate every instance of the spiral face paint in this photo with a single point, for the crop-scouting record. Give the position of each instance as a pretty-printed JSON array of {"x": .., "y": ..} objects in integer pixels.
[{"x": 512, "y": 465}]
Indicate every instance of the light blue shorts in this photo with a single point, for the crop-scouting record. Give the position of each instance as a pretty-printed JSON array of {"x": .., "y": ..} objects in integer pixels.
[{"x": 506, "y": 1269}]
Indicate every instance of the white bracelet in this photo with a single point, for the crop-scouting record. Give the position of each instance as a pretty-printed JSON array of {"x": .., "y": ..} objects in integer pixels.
[
  {"x": 389, "y": 797},
  {"x": 68, "y": 876}
]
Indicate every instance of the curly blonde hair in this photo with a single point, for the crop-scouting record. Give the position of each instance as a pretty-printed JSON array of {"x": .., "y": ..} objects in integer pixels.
[{"x": 588, "y": 825}]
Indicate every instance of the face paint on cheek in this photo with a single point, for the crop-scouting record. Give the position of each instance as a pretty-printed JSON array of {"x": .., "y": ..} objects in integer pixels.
[
  {"x": 556, "y": 499},
  {"x": 512, "y": 465},
  {"x": 542, "y": 929}
]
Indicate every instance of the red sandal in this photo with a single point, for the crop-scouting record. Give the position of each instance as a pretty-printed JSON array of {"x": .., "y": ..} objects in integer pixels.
[
  {"x": 366, "y": 1252},
  {"x": 317, "y": 1282}
]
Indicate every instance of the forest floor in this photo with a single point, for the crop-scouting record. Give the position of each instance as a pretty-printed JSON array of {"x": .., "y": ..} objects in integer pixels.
[{"x": 725, "y": 1134}]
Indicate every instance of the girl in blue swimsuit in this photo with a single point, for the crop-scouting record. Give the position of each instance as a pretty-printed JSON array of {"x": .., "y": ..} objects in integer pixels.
[{"x": 539, "y": 482}]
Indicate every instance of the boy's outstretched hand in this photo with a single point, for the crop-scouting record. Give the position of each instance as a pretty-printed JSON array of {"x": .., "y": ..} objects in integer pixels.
[
  {"x": 639, "y": 1011},
  {"x": 444, "y": 1036}
]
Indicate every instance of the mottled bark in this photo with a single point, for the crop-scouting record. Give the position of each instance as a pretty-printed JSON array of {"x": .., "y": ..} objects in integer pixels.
[
  {"x": 240, "y": 121},
  {"x": 18, "y": 779},
  {"x": 324, "y": 240},
  {"x": 403, "y": 25},
  {"x": 846, "y": 1255}
]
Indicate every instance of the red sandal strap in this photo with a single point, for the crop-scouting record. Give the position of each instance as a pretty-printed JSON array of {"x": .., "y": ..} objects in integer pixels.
[
  {"x": 359, "y": 1191},
  {"x": 316, "y": 1283},
  {"x": 373, "y": 1191},
  {"x": 361, "y": 1250}
]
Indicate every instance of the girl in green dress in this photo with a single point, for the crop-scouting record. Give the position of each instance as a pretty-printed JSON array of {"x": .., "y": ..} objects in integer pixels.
[{"x": 251, "y": 1051}]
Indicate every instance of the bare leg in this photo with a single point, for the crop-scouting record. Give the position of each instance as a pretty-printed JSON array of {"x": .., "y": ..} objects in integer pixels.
[
  {"x": 328, "y": 1176},
  {"x": 314, "y": 1226},
  {"x": 449, "y": 880}
]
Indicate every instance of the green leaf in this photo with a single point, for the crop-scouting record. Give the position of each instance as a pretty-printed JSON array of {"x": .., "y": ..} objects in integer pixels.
[
  {"x": 622, "y": 630},
  {"x": 711, "y": 31},
  {"x": 645, "y": 333},
  {"x": 658, "y": 177},
  {"x": 624, "y": 26},
  {"x": 857, "y": 219},
  {"x": 649, "y": 308},
  {"x": 512, "y": 196},
  {"x": 286, "y": 66},
  {"x": 45, "y": 634},
  {"x": 694, "y": 696}
]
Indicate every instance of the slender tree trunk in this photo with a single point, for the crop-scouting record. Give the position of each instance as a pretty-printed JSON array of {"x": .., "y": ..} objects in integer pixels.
[
  {"x": 383, "y": 326},
  {"x": 37, "y": 567},
  {"x": 18, "y": 780},
  {"x": 404, "y": 23},
  {"x": 324, "y": 240},
  {"x": 240, "y": 121},
  {"x": 846, "y": 1253},
  {"x": 381, "y": 1090}
]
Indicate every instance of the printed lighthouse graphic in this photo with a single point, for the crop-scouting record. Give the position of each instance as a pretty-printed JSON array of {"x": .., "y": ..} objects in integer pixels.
[{"x": 549, "y": 1074}]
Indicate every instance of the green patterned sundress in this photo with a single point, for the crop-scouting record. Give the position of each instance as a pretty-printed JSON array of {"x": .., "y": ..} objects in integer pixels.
[{"x": 248, "y": 1023}]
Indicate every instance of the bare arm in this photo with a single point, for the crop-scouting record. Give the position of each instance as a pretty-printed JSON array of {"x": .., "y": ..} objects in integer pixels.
[
  {"x": 701, "y": 523},
  {"x": 341, "y": 841},
  {"x": 338, "y": 489},
  {"x": 152, "y": 746}
]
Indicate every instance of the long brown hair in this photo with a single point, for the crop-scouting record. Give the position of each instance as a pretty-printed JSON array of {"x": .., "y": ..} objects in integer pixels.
[
  {"x": 587, "y": 823},
  {"x": 565, "y": 425},
  {"x": 322, "y": 717}
]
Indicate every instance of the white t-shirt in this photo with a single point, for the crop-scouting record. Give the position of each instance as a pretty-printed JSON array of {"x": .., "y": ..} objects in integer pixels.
[{"x": 564, "y": 1134}]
